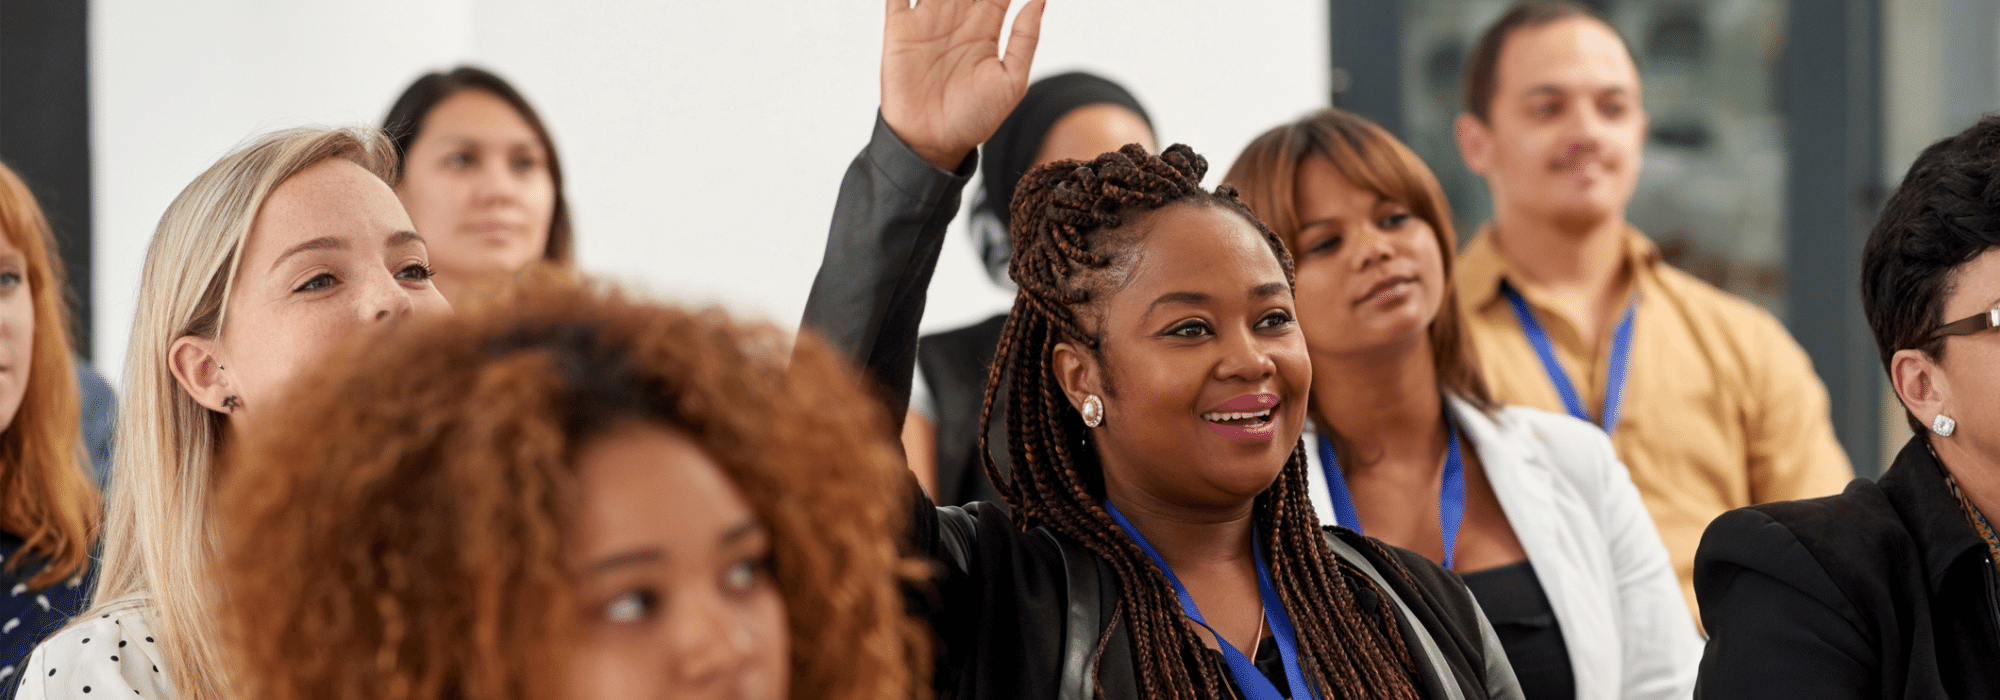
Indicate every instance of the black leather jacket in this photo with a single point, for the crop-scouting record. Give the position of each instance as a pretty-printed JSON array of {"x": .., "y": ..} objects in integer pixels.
[
  {"x": 1884, "y": 591},
  {"x": 1018, "y": 614}
]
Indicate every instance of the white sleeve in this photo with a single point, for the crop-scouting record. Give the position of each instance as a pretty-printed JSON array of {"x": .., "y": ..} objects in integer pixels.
[
  {"x": 1662, "y": 650},
  {"x": 113, "y": 655}
]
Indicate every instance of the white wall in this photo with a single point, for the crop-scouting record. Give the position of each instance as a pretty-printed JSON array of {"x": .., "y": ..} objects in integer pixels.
[{"x": 703, "y": 141}]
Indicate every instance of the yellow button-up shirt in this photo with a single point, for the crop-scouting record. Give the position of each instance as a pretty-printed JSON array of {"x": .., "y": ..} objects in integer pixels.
[{"x": 1721, "y": 406}]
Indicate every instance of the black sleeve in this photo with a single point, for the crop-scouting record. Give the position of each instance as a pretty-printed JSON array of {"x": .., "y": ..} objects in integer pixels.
[
  {"x": 1445, "y": 608},
  {"x": 1778, "y": 625},
  {"x": 868, "y": 298},
  {"x": 888, "y": 227}
]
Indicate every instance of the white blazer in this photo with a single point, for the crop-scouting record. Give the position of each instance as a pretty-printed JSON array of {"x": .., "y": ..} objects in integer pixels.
[{"x": 1594, "y": 546}]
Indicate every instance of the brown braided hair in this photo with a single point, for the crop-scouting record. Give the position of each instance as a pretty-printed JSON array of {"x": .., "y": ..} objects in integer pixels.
[{"x": 1073, "y": 247}]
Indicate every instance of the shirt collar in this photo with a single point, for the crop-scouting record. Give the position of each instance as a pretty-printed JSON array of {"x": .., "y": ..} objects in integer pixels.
[
  {"x": 1915, "y": 484},
  {"x": 1481, "y": 267}
]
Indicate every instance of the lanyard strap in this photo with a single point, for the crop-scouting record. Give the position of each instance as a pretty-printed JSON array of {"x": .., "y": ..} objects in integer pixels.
[
  {"x": 1614, "y": 381},
  {"x": 1254, "y": 684},
  {"x": 1451, "y": 493}
]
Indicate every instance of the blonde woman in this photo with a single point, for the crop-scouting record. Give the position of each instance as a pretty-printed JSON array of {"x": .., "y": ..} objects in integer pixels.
[{"x": 273, "y": 254}]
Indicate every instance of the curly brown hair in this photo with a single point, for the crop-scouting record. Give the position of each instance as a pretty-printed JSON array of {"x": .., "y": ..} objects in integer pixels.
[{"x": 397, "y": 532}]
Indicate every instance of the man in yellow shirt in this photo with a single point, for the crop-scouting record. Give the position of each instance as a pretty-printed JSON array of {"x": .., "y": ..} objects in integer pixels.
[{"x": 1709, "y": 401}]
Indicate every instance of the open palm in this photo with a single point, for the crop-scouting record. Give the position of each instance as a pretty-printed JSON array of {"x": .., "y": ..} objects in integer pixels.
[{"x": 945, "y": 86}]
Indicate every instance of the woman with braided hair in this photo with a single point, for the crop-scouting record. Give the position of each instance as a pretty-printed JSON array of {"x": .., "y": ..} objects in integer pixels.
[{"x": 1160, "y": 543}]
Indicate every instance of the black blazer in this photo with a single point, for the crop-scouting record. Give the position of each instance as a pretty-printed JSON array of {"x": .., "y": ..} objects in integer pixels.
[{"x": 1884, "y": 591}]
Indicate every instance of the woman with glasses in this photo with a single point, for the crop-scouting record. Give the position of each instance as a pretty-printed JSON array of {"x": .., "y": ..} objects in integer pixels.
[{"x": 1888, "y": 589}]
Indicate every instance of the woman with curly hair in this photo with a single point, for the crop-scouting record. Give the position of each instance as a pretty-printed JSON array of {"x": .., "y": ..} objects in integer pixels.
[
  {"x": 48, "y": 506},
  {"x": 571, "y": 494}
]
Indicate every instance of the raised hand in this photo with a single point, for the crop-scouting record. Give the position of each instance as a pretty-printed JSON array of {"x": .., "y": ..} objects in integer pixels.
[{"x": 945, "y": 87}]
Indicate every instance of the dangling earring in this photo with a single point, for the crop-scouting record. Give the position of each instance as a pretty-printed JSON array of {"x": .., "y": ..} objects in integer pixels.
[
  {"x": 1093, "y": 411},
  {"x": 229, "y": 402},
  {"x": 1943, "y": 425}
]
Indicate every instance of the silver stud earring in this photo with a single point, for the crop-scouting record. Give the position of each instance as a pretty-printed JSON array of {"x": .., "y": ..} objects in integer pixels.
[
  {"x": 1093, "y": 411},
  {"x": 1943, "y": 425}
]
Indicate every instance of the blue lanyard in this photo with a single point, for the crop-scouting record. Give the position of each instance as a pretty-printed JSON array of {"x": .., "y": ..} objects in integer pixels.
[
  {"x": 1614, "y": 381},
  {"x": 1254, "y": 684},
  {"x": 1451, "y": 494}
]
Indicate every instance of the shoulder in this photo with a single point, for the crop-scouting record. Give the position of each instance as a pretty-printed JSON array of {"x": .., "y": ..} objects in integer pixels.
[
  {"x": 111, "y": 650},
  {"x": 1573, "y": 450},
  {"x": 1749, "y": 325},
  {"x": 1434, "y": 601},
  {"x": 1437, "y": 595},
  {"x": 1547, "y": 430},
  {"x": 1819, "y": 546},
  {"x": 1858, "y": 519}
]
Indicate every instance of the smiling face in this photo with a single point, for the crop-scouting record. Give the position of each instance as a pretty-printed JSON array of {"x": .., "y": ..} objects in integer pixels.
[
  {"x": 330, "y": 253},
  {"x": 1204, "y": 373},
  {"x": 1566, "y": 126},
  {"x": 17, "y": 328},
  {"x": 1370, "y": 272},
  {"x": 478, "y": 185},
  {"x": 673, "y": 570}
]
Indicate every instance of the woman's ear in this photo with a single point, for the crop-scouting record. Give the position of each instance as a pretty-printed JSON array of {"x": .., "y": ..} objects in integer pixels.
[
  {"x": 199, "y": 370},
  {"x": 1078, "y": 371},
  {"x": 1920, "y": 384}
]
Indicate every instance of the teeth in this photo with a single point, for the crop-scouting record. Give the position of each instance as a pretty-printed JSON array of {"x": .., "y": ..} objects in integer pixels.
[{"x": 1219, "y": 417}]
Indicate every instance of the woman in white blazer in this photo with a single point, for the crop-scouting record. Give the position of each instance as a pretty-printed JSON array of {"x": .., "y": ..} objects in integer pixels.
[{"x": 1533, "y": 509}]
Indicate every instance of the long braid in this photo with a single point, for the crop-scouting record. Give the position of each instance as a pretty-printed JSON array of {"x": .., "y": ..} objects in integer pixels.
[{"x": 1069, "y": 243}]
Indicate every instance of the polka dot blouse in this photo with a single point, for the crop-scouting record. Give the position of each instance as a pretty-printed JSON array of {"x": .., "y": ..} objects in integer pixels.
[
  {"x": 110, "y": 655},
  {"x": 28, "y": 615}
]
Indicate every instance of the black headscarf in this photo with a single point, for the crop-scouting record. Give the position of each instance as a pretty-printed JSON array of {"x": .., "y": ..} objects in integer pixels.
[{"x": 1011, "y": 152}]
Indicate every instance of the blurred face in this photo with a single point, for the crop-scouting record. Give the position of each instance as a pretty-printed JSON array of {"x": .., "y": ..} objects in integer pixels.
[
  {"x": 330, "y": 253},
  {"x": 673, "y": 570},
  {"x": 1371, "y": 275},
  {"x": 1092, "y": 130},
  {"x": 476, "y": 182},
  {"x": 1209, "y": 369},
  {"x": 17, "y": 328},
  {"x": 1566, "y": 126}
]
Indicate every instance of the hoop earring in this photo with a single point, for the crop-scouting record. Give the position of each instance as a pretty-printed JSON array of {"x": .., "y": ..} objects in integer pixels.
[
  {"x": 1093, "y": 411},
  {"x": 1943, "y": 425}
]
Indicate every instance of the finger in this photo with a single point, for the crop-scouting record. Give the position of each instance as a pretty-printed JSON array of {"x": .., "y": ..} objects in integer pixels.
[
  {"x": 992, "y": 18},
  {"x": 1027, "y": 34},
  {"x": 896, "y": 6}
]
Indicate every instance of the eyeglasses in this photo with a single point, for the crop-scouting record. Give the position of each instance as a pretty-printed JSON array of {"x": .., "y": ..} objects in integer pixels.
[{"x": 1967, "y": 326}]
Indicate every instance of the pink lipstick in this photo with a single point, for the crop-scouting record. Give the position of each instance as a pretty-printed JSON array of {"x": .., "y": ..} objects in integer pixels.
[{"x": 1245, "y": 419}]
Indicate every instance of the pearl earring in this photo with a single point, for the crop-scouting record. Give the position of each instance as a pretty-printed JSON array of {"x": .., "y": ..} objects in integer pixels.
[
  {"x": 1093, "y": 411},
  {"x": 1943, "y": 425}
]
